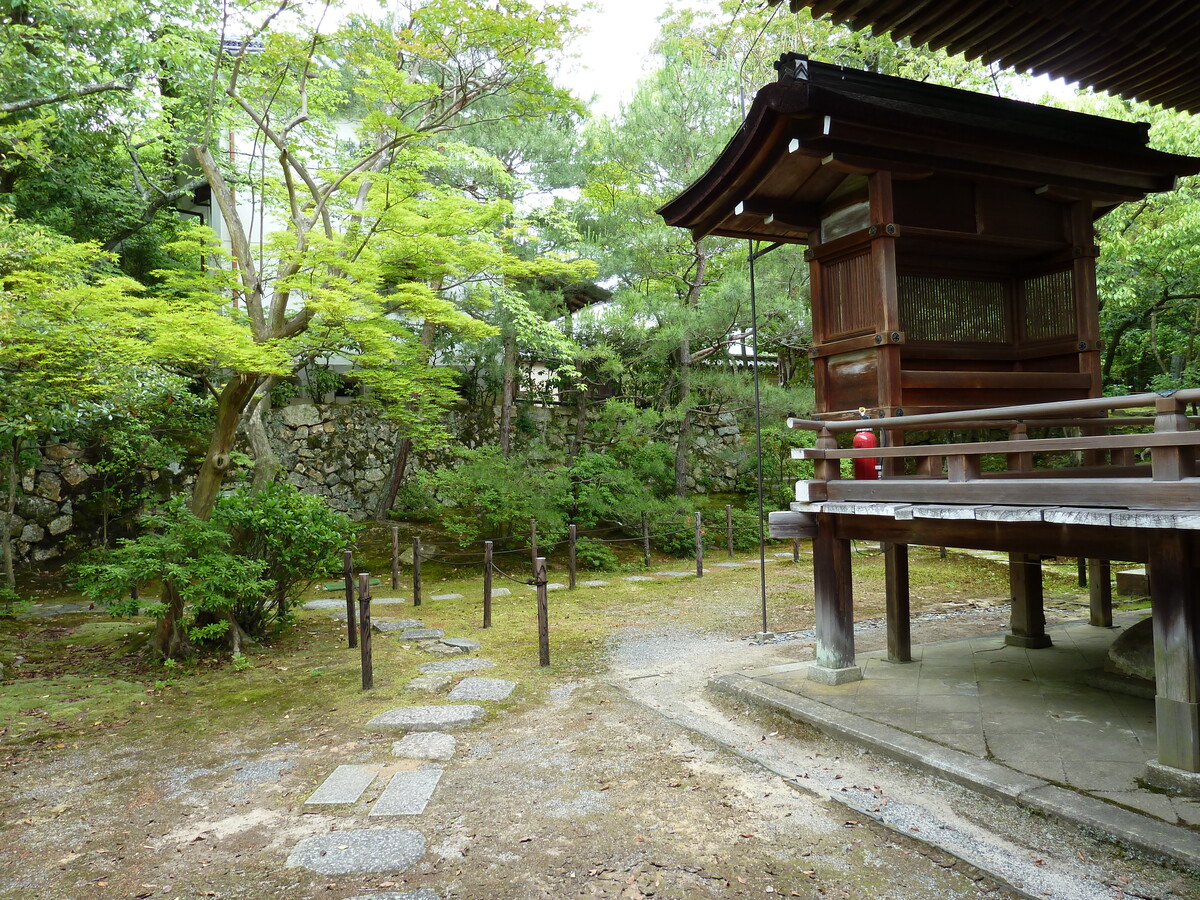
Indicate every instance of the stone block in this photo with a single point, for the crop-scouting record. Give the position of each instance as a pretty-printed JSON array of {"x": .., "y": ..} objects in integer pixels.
[
  {"x": 448, "y": 596},
  {"x": 426, "y": 745},
  {"x": 1133, "y": 583},
  {"x": 476, "y": 688},
  {"x": 31, "y": 533},
  {"x": 408, "y": 793},
  {"x": 466, "y": 645},
  {"x": 428, "y": 718},
  {"x": 422, "y": 634},
  {"x": 49, "y": 486},
  {"x": 834, "y": 677},
  {"x": 345, "y": 784},
  {"x": 431, "y": 684},
  {"x": 358, "y": 852},
  {"x": 297, "y": 414},
  {"x": 60, "y": 525},
  {"x": 457, "y": 665}
]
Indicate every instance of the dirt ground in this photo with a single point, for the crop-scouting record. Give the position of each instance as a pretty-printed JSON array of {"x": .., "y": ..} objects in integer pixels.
[{"x": 621, "y": 778}]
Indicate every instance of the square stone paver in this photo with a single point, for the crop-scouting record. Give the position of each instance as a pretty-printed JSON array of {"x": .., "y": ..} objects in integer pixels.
[
  {"x": 482, "y": 689},
  {"x": 428, "y": 718},
  {"x": 456, "y": 665},
  {"x": 345, "y": 784},
  {"x": 358, "y": 852},
  {"x": 408, "y": 793},
  {"x": 426, "y": 745}
]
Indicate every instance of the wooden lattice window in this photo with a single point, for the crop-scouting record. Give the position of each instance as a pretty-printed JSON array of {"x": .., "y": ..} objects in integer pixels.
[
  {"x": 961, "y": 310},
  {"x": 1049, "y": 307},
  {"x": 851, "y": 298}
]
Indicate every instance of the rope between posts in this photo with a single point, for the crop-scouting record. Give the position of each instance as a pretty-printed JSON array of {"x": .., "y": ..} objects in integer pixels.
[{"x": 503, "y": 574}]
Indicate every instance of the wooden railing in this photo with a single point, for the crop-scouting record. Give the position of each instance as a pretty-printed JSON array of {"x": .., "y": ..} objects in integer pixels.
[{"x": 1147, "y": 470}]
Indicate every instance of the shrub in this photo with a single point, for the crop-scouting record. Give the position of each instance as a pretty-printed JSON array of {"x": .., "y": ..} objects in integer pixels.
[{"x": 595, "y": 555}]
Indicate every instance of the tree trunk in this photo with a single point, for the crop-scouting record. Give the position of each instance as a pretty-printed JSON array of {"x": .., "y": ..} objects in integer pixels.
[
  {"x": 10, "y": 506},
  {"x": 266, "y": 462},
  {"x": 683, "y": 442},
  {"x": 508, "y": 390},
  {"x": 170, "y": 636},
  {"x": 581, "y": 408},
  {"x": 404, "y": 446}
]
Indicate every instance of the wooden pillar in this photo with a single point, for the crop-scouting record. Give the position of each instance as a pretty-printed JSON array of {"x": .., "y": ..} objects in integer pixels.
[
  {"x": 899, "y": 625},
  {"x": 1099, "y": 580},
  {"x": 1028, "y": 618},
  {"x": 834, "y": 607},
  {"x": 1174, "y": 599}
]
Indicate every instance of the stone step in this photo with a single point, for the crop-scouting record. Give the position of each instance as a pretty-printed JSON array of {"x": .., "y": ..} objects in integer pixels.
[
  {"x": 345, "y": 784},
  {"x": 430, "y": 684},
  {"x": 456, "y": 665},
  {"x": 358, "y": 852},
  {"x": 408, "y": 793},
  {"x": 476, "y": 688},
  {"x": 422, "y": 634},
  {"x": 428, "y": 718},
  {"x": 386, "y": 626},
  {"x": 464, "y": 644},
  {"x": 426, "y": 745}
]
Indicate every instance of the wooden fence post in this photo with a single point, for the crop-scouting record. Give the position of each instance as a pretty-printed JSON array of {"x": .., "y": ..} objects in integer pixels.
[
  {"x": 729, "y": 528},
  {"x": 795, "y": 550},
  {"x": 487, "y": 584},
  {"x": 395, "y": 557},
  {"x": 571, "y": 535},
  {"x": 364, "y": 625},
  {"x": 645, "y": 541},
  {"x": 539, "y": 576},
  {"x": 699, "y": 548},
  {"x": 1081, "y": 571},
  {"x": 416, "y": 571},
  {"x": 348, "y": 570},
  {"x": 533, "y": 543}
]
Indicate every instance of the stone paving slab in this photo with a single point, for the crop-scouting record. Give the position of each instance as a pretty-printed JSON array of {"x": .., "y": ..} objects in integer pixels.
[
  {"x": 446, "y": 597},
  {"x": 388, "y": 601},
  {"x": 408, "y": 793},
  {"x": 426, "y": 745},
  {"x": 456, "y": 665},
  {"x": 728, "y": 565},
  {"x": 552, "y": 586},
  {"x": 441, "y": 649},
  {"x": 676, "y": 574},
  {"x": 465, "y": 644},
  {"x": 421, "y": 894},
  {"x": 388, "y": 625},
  {"x": 475, "y": 688},
  {"x": 429, "y": 683},
  {"x": 341, "y": 585},
  {"x": 595, "y": 583},
  {"x": 637, "y": 578},
  {"x": 422, "y": 634},
  {"x": 358, "y": 852},
  {"x": 428, "y": 718},
  {"x": 345, "y": 784},
  {"x": 500, "y": 592},
  {"x": 327, "y": 603}
]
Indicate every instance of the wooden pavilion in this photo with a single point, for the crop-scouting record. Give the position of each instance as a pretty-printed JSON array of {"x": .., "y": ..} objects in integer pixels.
[{"x": 952, "y": 263}]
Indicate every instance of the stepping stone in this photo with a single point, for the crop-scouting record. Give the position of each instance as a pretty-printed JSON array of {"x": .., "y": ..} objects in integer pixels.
[
  {"x": 552, "y": 586},
  {"x": 408, "y": 793},
  {"x": 387, "y": 601},
  {"x": 728, "y": 565},
  {"x": 422, "y": 634},
  {"x": 429, "y": 683},
  {"x": 341, "y": 585},
  {"x": 426, "y": 745},
  {"x": 465, "y": 644},
  {"x": 345, "y": 784},
  {"x": 421, "y": 894},
  {"x": 387, "y": 625},
  {"x": 500, "y": 592},
  {"x": 638, "y": 578},
  {"x": 456, "y": 665},
  {"x": 446, "y": 597},
  {"x": 358, "y": 852},
  {"x": 595, "y": 583},
  {"x": 441, "y": 649},
  {"x": 482, "y": 689},
  {"x": 428, "y": 718},
  {"x": 781, "y": 555},
  {"x": 675, "y": 574},
  {"x": 328, "y": 603}
]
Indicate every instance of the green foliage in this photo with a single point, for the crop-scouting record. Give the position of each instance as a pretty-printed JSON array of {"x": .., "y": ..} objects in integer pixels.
[
  {"x": 296, "y": 538},
  {"x": 595, "y": 555},
  {"x": 215, "y": 583}
]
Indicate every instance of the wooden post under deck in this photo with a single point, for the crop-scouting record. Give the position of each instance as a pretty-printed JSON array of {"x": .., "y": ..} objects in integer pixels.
[
  {"x": 1028, "y": 618},
  {"x": 1099, "y": 577},
  {"x": 1174, "y": 583},
  {"x": 899, "y": 626},
  {"x": 834, "y": 592}
]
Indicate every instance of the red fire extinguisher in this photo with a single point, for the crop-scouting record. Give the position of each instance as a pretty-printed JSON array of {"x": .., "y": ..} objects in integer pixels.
[{"x": 866, "y": 468}]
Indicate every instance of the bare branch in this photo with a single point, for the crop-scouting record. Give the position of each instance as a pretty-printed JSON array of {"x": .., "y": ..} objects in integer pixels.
[
  {"x": 99, "y": 87},
  {"x": 160, "y": 201}
]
